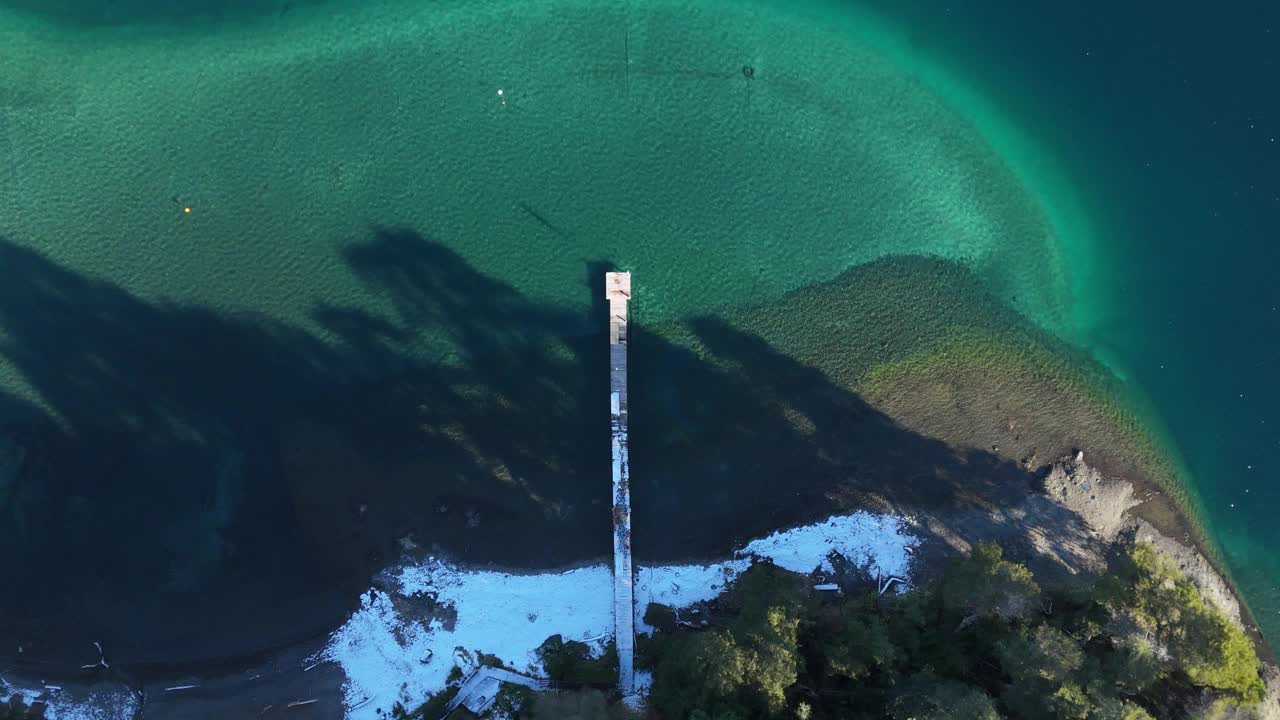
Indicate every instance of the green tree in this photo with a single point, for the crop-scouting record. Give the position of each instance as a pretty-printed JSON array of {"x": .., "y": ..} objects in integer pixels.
[
  {"x": 718, "y": 714},
  {"x": 1042, "y": 654},
  {"x": 926, "y": 697},
  {"x": 938, "y": 652},
  {"x": 1045, "y": 665},
  {"x": 700, "y": 672},
  {"x": 514, "y": 701},
  {"x": 744, "y": 671},
  {"x": 1117, "y": 709},
  {"x": 586, "y": 704},
  {"x": 858, "y": 641},
  {"x": 1133, "y": 664},
  {"x": 14, "y": 711},
  {"x": 570, "y": 664},
  {"x": 1216, "y": 653},
  {"x": 1204, "y": 644},
  {"x": 771, "y": 652},
  {"x": 765, "y": 586},
  {"x": 1042, "y": 701},
  {"x": 985, "y": 585},
  {"x": 1158, "y": 594}
]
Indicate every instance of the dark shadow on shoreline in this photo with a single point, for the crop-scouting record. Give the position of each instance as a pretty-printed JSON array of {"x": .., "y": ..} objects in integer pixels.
[{"x": 201, "y": 486}]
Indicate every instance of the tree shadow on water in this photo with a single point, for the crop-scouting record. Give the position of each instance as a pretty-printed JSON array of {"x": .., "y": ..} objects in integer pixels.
[
  {"x": 200, "y": 485},
  {"x": 769, "y": 440}
]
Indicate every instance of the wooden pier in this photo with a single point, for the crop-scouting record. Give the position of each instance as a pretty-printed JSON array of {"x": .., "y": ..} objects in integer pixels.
[{"x": 618, "y": 291}]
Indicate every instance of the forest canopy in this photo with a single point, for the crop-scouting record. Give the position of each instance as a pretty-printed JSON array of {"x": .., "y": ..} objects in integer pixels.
[{"x": 983, "y": 642}]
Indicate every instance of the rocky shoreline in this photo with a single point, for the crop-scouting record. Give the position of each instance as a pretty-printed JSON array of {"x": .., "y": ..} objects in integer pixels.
[
  {"x": 1105, "y": 504},
  {"x": 1070, "y": 526}
]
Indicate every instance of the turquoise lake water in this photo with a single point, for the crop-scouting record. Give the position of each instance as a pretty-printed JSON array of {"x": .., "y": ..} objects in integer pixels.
[
  {"x": 1171, "y": 126},
  {"x": 242, "y": 191}
]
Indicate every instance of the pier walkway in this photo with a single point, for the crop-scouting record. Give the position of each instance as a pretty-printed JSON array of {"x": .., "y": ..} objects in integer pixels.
[{"x": 618, "y": 291}]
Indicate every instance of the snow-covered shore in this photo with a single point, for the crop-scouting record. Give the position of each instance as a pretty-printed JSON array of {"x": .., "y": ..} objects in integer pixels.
[
  {"x": 403, "y": 641},
  {"x": 78, "y": 703}
]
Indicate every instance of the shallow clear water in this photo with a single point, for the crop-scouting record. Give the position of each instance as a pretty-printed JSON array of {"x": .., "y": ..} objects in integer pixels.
[{"x": 211, "y": 218}]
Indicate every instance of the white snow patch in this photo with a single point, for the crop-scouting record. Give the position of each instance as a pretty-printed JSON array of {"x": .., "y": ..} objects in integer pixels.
[
  {"x": 501, "y": 614},
  {"x": 96, "y": 705},
  {"x": 387, "y": 654},
  {"x": 60, "y": 704},
  {"x": 643, "y": 682},
  {"x": 679, "y": 586},
  {"x": 879, "y": 541}
]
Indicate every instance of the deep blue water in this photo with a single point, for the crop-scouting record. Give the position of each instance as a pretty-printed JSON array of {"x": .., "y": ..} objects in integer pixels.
[{"x": 1169, "y": 115}]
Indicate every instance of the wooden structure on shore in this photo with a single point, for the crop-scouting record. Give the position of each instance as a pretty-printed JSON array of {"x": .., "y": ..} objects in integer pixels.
[
  {"x": 480, "y": 690},
  {"x": 618, "y": 291}
]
